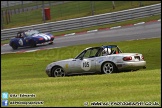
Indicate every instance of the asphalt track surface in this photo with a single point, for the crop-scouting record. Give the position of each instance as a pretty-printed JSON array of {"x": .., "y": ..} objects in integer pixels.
[{"x": 141, "y": 31}]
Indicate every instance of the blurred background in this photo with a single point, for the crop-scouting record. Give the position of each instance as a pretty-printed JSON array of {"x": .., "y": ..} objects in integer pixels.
[{"x": 23, "y": 13}]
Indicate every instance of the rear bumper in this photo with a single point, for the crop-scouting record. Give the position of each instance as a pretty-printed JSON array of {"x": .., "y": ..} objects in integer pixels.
[{"x": 131, "y": 65}]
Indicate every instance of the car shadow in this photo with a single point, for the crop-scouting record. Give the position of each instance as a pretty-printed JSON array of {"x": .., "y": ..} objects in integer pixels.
[
  {"x": 38, "y": 46},
  {"x": 87, "y": 74}
]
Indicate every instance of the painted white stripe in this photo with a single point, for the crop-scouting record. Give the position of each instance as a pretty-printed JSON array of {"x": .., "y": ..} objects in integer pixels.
[
  {"x": 139, "y": 23},
  {"x": 92, "y": 31},
  {"x": 70, "y": 34},
  {"x": 115, "y": 27},
  {"x": 32, "y": 50},
  {"x": 49, "y": 38},
  {"x": 43, "y": 35},
  {"x": 159, "y": 20}
]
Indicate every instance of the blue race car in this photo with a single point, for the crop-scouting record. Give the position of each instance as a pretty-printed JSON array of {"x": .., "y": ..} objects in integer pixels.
[{"x": 30, "y": 38}]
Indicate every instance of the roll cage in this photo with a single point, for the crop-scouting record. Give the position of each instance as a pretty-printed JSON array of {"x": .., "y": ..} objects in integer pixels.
[
  {"x": 97, "y": 51},
  {"x": 26, "y": 33}
]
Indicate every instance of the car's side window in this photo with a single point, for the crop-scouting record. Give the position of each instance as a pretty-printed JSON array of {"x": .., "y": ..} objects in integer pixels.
[
  {"x": 93, "y": 53},
  {"x": 90, "y": 53},
  {"x": 86, "y": 55},
  {"x": 80, "y": 56}
]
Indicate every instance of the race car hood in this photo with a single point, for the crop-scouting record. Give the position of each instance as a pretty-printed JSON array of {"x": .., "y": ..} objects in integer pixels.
[
  {"x": 42, "y": 35},
  {"x": 60, "y": 63},
  {"x": 63, "y": 61}
]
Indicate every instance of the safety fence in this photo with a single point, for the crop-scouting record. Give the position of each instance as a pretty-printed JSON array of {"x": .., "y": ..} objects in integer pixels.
[{"x": 84, "y": 22}]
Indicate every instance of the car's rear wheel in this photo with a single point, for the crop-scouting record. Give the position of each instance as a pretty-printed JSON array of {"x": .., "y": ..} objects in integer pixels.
[
  {"x": 14, "y": 46},
  {"x": 32, "y": 43},
  {"x": 108, "y": 68},
  {"x": 58, "y": 72}
]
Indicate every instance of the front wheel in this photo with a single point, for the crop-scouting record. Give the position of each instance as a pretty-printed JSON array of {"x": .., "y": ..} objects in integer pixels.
[
  {"x": 58, "y": 72},
  {"x": 108, "y": 68},
  {"x": 14, "y": 46}
]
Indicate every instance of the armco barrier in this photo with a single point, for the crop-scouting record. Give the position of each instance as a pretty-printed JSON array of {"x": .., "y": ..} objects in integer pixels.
[{"x": 83, "y": 22}]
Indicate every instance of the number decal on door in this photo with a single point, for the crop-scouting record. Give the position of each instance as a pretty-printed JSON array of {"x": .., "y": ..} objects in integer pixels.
[{"x": 86, "y": 64}]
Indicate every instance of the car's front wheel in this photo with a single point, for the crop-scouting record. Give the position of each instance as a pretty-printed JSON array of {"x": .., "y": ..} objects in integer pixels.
[
  {"x": 108, "y": 68},
  {"x": 58, "y": 72},
  {"x": 14, "y": 46}
]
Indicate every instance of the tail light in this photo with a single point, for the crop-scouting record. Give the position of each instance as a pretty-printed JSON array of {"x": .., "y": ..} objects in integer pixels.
[{"x": 127, "y": 58}]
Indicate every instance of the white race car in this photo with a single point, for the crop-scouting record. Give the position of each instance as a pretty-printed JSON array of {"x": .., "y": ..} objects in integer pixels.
[{"x": 104, "y": 59}]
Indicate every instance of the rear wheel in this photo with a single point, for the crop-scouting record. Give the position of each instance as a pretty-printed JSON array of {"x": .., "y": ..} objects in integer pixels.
[
  {"x": 32, "y": 43},
  {"x": 14, "y": 46},
  {"x": 58, "y": 72},
  {"x": 108, "y": 68}
]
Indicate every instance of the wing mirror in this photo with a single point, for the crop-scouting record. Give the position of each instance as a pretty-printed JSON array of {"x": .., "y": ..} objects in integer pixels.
[{"x": 81, "y": 58}]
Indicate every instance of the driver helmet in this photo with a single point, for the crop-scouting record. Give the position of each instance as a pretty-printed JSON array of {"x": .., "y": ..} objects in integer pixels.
[{"x": 106, "y": 51}]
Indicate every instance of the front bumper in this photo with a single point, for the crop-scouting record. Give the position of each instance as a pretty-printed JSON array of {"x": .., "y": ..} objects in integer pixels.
[
  {"x": 131, "y": 65},
  {"x": 48, "y": 72}
]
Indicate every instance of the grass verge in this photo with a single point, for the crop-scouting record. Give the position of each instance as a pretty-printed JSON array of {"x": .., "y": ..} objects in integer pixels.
[{"x": 25, "y": 73}]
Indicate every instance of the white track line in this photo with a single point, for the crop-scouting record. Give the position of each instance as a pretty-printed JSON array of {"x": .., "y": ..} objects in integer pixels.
[
  {"x": 139, "y": 23},
  {"x": 31, "y": 50},
  {"x": 92, "y": 31},
  {"x": 115, "y": 27},
  {"x": 71, "y": 34}
]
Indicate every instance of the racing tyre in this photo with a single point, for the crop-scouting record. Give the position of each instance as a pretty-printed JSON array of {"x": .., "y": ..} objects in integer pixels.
[
  {"x": 108, "y": 68},
  {"x": 32, "y": 43},
  {"x": 58, "y": 72},
  {"x": 14, "y": 46}
]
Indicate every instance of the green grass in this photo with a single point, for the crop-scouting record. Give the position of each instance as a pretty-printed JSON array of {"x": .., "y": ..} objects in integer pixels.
[
  {"x": 25, "y": 73},
  {"x": 70, "y": 10},
  {"x": 74, "y": 91}
]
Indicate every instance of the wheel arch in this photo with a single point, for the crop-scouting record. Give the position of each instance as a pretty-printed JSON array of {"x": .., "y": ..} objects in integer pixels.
[
  {"x": 14, "y": 43},
  {"x": 55, "y": 67},
  {"x": 110, "y": 62}
]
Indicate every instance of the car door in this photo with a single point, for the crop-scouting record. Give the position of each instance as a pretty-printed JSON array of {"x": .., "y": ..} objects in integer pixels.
[{"x": 85, "y": 63}]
